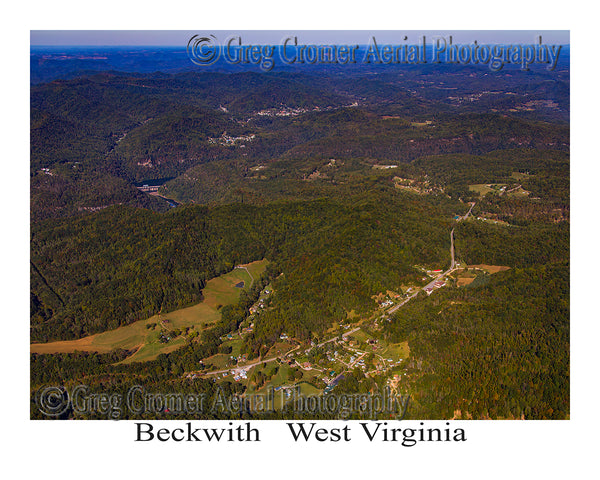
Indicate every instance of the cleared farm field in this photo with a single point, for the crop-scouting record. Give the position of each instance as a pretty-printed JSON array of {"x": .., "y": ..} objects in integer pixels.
[
  {"x": 481, "y": 188},
  {"x": 395, "y": 351},
  {"x": 490, "y": 268},
  {"x": 464, "y": 281},
  {"x": 144, "y": 336}
]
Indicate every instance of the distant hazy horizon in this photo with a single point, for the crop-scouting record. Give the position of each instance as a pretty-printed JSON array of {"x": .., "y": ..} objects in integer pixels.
[{"x": 174, "y": 38}]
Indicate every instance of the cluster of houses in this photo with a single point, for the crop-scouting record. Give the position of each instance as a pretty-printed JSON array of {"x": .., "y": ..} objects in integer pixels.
[
  {"x": 239, "y": 374},
  {"x": 260, "y": 304},
  {"x": 386, "y": 303},
  {"x": 229, "y": 141},
  {"x": 241, "y": 358},
  {"x": 437, "y": 284},
  {"x": 373, "y": 343},
  {"x": 360, "y": 363},
  {"x": 393, "y": 382},
  {"x": 387, "y": 364},
  {"x": 474, "y": 97},
  {"x": 434, "y": 273},
  {"x": 284, "y": 111},
  {"x": 148, "y": 188},
  {"x": 417, "y": 186},
  {"x": 249, "y": 329},
  {"x": 384, "y": 167},
  {"x": 289, "y": 111},
  {"x": 385, "y": 300}
]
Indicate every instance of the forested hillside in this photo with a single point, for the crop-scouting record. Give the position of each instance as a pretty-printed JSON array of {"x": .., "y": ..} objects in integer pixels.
[
  {"x": 123, "y": 264},
  {"x": 500, "y": 350}
]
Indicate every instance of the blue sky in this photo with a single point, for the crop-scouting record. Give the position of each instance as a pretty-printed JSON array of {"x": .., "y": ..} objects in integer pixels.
[{"x": 273, "y": 37}]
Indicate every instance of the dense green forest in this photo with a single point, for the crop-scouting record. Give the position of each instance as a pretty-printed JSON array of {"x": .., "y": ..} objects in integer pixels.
[
  {"x": 157, "y": 262},
  {"x": 499, "y": 350}
]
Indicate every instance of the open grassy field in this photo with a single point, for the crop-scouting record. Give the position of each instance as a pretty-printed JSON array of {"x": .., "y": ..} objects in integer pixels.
[
  {"x": 138, "y": 336},
  {"x": 219, "y": 361},
  {"x": 395, "y": 351},
  {"x": 360, "y": 336},
  {"x": 464, "y": 277},
  {"x": 235, "y": 343},
  {"x": 279, "y": 348},
  {"x": 484, "y": 188},
  {"x": 519, "y": 192},
  {"x": 519, "y": 175},
  {"x": 222, "y": 290},
  {"x": 152, "y": 348},
  {"x": 281, "y": 378},
  {"x": 481, "y": 189},
  {"x": 464, "y": 281},
  {"x": 307, "y": 389},
  {"x": 489, "y": 268},
  {"x": 493, "y": 221}
]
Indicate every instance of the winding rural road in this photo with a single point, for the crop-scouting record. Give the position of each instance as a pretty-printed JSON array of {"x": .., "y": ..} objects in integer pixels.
[
  {"x": 441, "y": 275},
  {"x": 464, "y": 217},
  {"x": 390, "y": 311},
  {"x": 452, "y": 263},
  {"x": 248, "y": 272},
  {"x": 248, "y": 366},
  {"x": 268, "y": 360},
  {"x": 349, "y": 332}
]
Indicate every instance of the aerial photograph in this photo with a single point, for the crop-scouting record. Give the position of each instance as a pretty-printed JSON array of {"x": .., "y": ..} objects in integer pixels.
[{"x": 304, "y": 225}]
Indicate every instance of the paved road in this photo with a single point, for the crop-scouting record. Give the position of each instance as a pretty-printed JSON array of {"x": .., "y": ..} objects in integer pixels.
[
  {"x": 349, "y": 332},
  {"x": 439, "y": 277},
  {"x": 511, "y": 190},
  {"x": 464, "y": 217},
  {"x": 452, "y": 249},
  {"x": 452, "y": 261},
  {"x": 396, "y": 307},
  {"x": 247, "y": 366}
]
